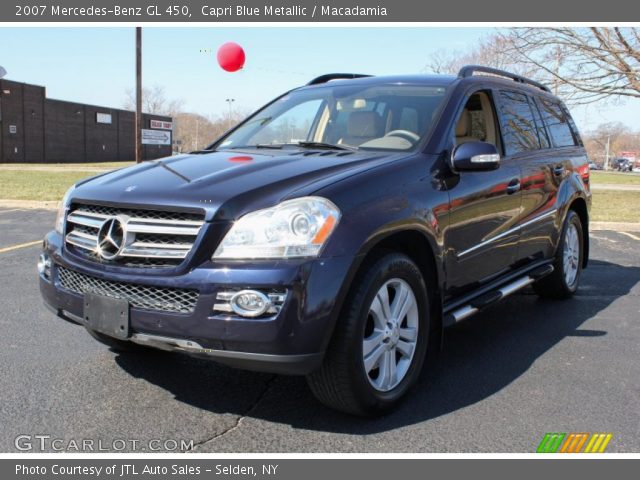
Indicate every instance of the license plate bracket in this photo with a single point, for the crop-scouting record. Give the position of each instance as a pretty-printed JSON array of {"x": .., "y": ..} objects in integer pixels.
[{"x": 107, "y": 315}]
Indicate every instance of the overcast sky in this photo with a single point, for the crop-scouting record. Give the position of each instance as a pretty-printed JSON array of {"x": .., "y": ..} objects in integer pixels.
[{"x": 96, "y": 65}]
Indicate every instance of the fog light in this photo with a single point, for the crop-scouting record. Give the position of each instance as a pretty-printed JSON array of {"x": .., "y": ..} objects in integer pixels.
[
  {"x": 44, "y": 265},
  {"x": 249, "y": 303}
]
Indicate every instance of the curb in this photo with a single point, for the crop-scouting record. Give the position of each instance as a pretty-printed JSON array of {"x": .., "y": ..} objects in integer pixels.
[
  {"x": 615, "y": 226},
  {"x": 30, "y": 204}
]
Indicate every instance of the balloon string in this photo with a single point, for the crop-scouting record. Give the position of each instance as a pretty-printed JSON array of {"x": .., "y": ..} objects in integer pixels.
[{"x": 212, "y": 52}]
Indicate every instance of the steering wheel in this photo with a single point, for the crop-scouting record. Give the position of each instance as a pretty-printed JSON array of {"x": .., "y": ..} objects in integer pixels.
[{"x": 406, "y": 134}]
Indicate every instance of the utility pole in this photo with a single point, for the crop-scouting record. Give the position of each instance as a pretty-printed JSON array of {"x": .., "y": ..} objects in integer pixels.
[
  {"x": 138, "y": 94},
  {"x": 229, "y": 102},
  {"x": 606, "y": 153},
  {"x": 197, "y": 133},
  {"x": 556, "y": 80}
]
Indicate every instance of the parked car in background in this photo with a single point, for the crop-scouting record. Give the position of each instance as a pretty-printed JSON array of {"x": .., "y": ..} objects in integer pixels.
[
  {"x": 622, "y": 164},
  {"x": 594, "y": 166},
  {"x": 335, "y": 233}
]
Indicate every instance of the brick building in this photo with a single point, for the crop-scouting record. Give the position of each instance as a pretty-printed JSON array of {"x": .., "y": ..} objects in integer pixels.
[{"x": 36, "y": 129}]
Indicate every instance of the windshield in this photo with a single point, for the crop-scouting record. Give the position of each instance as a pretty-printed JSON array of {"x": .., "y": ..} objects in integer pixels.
[{"x": 381, "y": 117}]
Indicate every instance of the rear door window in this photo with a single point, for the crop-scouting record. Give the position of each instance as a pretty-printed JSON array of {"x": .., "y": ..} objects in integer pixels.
[{"x": 519, "y": 129}]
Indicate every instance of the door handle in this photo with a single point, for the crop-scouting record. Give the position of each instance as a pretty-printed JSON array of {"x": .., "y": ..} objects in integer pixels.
[
  {"x": 514, "y": 186},
  {"x": 558, "y": 170}
]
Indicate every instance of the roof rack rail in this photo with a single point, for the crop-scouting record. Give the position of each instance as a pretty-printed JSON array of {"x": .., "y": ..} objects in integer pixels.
[
  {"x": 335, "y": 76},
  {"x": 469, "y": 70}
]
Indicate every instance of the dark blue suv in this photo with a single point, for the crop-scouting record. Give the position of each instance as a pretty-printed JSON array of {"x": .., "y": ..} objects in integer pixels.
[{"x": 335, "y": 232}]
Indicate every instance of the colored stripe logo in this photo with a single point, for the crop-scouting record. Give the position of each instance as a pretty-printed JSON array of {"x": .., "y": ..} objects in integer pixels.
[{"x": 574, "y": 443}]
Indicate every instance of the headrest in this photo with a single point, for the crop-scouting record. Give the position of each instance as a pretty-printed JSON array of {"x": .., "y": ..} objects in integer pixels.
[
  {"x": 364, "y": 124},
  {"x": 462, "y": 127}
]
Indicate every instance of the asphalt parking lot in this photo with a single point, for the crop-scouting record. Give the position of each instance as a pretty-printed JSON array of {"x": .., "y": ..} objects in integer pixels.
[{"x": 505, "y": 378}]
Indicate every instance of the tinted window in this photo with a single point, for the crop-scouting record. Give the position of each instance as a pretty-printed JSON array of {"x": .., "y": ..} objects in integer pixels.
[
  {"x": 557, "y": 123},
  {"x": 409, "y": 119},
  {"x": 519, "y": 131},
  {"x": 542, "y": 133}
]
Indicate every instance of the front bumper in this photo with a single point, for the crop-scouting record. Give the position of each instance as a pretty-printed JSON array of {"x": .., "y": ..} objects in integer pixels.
[{"x": 291, "y": 341}]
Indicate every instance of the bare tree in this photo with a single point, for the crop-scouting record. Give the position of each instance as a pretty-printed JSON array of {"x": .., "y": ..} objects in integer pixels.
[
  {"x": 194, "y": 132},
  {"x": 616, "y": 135},
  {"x": 492, "y": 51},
  {"x": 190, "y": 132},
  {"x": 154, "y": 101},
  {"x": 584, "y": 64}
]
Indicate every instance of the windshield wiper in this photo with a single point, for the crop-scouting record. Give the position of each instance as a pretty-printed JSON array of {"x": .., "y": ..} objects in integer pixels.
[
  {"x": 328, "y": 146},
  {"x": 280, "y": 146},
  {"x": 274, "y": 146}
]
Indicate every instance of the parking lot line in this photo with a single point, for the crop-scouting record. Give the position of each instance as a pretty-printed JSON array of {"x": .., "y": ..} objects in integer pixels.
[
  {"x": 630, "y": 235},
  {"x": 20, "y": 245}
]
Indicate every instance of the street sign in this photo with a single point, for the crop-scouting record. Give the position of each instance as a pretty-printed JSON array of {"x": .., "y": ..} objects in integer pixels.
[
  {"x": 156, "y": 137},
  {"x": 13, "y": 129},
  {"x": 103, "y": 117},
  {"x": 162, "y": 124}
]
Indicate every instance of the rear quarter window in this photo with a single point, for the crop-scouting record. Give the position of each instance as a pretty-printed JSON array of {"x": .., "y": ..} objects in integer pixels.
[{"x": 559, "y": 123}]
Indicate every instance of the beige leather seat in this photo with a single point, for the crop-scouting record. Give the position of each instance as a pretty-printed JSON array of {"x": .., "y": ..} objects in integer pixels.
[
  {"x": 463, "y": 128},
  {"x": 362, "y": 127}
]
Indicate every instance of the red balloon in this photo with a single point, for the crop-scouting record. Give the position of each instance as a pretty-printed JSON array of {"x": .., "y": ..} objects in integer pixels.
[{"x": 231, "y": 57}]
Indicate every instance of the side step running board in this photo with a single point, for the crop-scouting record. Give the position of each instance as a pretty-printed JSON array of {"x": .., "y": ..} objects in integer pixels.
[{"x": 494, "y": 296}]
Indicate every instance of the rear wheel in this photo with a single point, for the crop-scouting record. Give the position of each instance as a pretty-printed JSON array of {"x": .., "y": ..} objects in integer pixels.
[
  {"x": 564, "y": 280},
  {"x": 380, "y": 341}
]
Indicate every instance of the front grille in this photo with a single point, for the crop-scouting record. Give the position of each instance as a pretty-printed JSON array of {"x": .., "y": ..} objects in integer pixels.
[
  {"x": 174, "y": 300},
  {"x": 150, "y": 238}
]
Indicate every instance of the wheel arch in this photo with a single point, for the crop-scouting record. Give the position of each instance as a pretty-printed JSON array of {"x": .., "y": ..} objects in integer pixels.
[
  {"x": 579, "y": 205},
  {"x": 574, "y": 195},
  {"x": 419, "y": 245}
]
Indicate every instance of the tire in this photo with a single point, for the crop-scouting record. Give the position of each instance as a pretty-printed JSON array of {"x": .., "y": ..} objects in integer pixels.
[
  {"x": 365, "y": 385},
  {"x": 564, "y": 280},
  {"x": 115, "y": 344}
]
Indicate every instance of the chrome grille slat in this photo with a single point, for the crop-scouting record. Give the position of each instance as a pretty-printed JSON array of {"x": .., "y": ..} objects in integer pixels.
[
  {"x": 81, "y": 242},
  {"x": 87, "y": 221},
  {"x": 161, "y": 230},
  {"x": 177, "y": 246},
  {"x": 153, "y": 252},
  {"x": 146, "y": 297},
  {"x": 163, "y": 238},
  {"x": 80, "y": 233},
  {"x": 185, "y": 223}
]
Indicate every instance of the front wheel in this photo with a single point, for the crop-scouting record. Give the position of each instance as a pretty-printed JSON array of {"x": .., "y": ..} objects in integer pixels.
[
  {"x": 563, "y": 282},
  {"x": 380, "y": 341}
]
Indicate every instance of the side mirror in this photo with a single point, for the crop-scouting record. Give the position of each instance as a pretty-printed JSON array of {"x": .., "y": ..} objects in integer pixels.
[{"x": 478, "y": 156}]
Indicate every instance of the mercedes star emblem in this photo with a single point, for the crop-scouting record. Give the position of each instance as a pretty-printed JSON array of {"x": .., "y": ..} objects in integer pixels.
[{"x": 111, "y": 238}]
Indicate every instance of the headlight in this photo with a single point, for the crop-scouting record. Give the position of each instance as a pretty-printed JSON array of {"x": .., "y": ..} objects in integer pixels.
[
  {"x": 294, "y": 228},
  {"x": 62, "y": 210}
]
